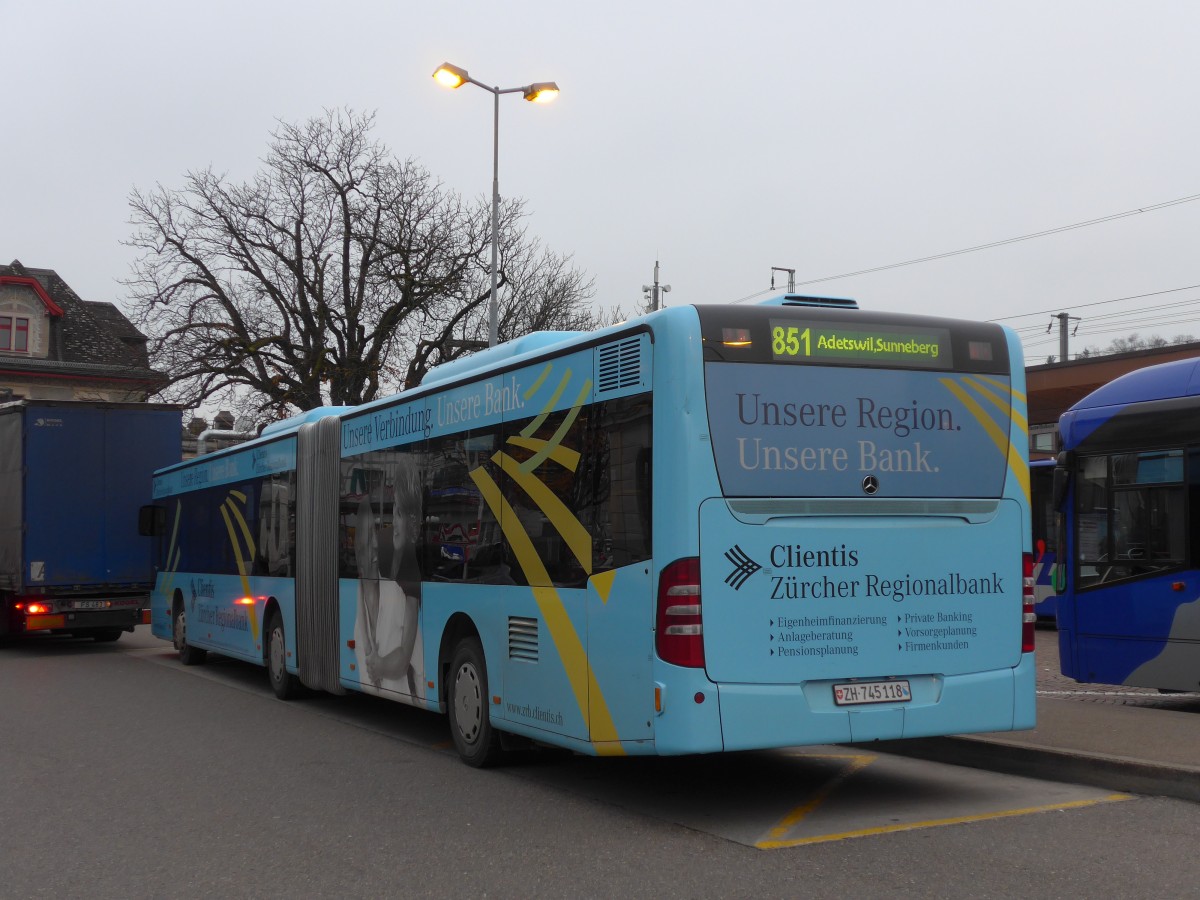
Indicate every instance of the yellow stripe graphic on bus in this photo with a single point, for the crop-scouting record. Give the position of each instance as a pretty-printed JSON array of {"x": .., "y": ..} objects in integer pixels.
[
  {"x": 1001, "y": 386},
  {"x": 528, "y": 430},
  {"x": 582, "y": 679},
  {"x": 533, "y": 388},
  {"x": 1017, "y": 417},
  {"x": 1015, "y": 463},
  {"x": 564, "y": 456},
  {"x": 230, "y": 508},
  {"x": 571, "y": 529},
  {"x": 561, "y": 432},
  {"x": 603, "y": 583}
]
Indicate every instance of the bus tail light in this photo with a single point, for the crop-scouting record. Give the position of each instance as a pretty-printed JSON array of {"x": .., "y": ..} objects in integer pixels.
[
  {"x": 1028, "y": 616},
  {"x": 679, "y": 628}
]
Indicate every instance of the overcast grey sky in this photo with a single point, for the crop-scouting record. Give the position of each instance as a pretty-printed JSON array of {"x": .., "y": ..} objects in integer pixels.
[{"x": 721, "y": 139}]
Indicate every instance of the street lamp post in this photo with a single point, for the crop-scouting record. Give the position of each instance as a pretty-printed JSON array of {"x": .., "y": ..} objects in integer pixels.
[{"x": 539, "y": 92}]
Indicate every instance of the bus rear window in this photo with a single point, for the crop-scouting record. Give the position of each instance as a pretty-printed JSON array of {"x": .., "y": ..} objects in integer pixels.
[{"x": 834, "y": 431}]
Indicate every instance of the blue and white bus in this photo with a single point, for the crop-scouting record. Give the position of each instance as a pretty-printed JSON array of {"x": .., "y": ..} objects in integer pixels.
[
  {"x": 1129, "y": 485},
  {"x": 711, "y": 528}
]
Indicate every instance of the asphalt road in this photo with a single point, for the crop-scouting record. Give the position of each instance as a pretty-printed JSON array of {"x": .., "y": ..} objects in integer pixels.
[{"x": 127, "y": 775}]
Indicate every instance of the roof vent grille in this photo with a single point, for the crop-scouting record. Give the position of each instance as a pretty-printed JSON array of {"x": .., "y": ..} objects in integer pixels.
[{"x": 619, "y": 365}]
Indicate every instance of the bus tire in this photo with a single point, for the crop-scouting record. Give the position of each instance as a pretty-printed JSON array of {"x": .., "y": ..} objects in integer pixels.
[
  {"x": 285, "y": 685},
  {"x": 188, "y": 655},
  {"x": 476, "y": 741}
]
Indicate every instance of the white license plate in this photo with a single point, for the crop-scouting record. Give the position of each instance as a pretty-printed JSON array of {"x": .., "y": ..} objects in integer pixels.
[
  {"x": 871, "y": 692},
  {"x": 88, "y": 604}
]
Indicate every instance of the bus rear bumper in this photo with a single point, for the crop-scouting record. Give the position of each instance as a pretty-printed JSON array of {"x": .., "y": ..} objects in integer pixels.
[{"x": 758, "y": 716}]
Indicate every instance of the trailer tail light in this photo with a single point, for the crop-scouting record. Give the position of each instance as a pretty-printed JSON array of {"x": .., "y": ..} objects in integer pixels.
[
  {"x": 1028, "y": 616},
  {"x": 37, "y": 608},
  {"x": 679, "y": 627}
]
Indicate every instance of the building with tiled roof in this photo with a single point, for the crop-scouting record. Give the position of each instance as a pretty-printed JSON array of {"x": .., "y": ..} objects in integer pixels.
[{"x": 56, "y": 346}]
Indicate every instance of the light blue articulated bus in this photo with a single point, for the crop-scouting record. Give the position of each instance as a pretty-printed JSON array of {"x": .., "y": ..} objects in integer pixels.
[
  {"x": 712, "y": 528},
  {"x": 1128, "y": 486}
]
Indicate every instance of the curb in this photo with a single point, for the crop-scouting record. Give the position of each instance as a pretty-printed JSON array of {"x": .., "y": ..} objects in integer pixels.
[{"x": 1075, "y": 766}]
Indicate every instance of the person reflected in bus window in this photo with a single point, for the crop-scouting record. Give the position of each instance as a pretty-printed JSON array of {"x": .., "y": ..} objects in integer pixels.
[{"x": 389, "y": 602}]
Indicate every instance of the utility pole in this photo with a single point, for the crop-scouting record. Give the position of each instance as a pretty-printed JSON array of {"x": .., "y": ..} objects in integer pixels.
[
  {"x": 653, "y": 292},
  {"x": 791, "y": 273},
  {"x": 1063, "y": 320}
]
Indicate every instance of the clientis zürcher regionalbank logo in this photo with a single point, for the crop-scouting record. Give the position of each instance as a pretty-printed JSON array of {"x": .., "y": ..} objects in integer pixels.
[{"x": 743, "y": 567}]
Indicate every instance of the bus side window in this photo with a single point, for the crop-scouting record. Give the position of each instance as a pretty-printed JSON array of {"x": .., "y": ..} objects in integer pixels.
[{"x": 275, "y": 535}]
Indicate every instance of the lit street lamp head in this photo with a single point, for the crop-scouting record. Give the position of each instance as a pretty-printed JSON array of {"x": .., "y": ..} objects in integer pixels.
[
  {"x": 451, "y": 76},
  {"x": 541, "y": 92}
]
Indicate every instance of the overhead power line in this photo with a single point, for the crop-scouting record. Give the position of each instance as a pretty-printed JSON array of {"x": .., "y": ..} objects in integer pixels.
[
  {"x": 1043, "y": 312},
  {"x": 1128, "y": 316},
  {"x": 991, "y": 244}
]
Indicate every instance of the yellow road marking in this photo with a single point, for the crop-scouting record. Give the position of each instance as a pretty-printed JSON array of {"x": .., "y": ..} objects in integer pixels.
[
  {"x": 858, "y": 762},
  {"x": 936, "y": 823}
]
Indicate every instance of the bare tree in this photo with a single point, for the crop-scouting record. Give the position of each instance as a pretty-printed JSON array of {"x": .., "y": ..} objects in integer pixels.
[
  {"x": 326, "y": 276},
  {"x": 1135, "y": 342}
]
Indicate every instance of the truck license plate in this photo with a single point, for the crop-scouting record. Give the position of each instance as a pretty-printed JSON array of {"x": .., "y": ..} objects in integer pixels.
[
  {"x": 871, "y": 692},
  {"x": 89, "y": 604}
]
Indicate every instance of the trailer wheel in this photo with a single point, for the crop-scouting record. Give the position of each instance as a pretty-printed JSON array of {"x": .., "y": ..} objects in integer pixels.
[
  {"x": 188, "y": 655},
  {"x": 283, "y": 683},
  {"x": 106, "y": 635},
  {"x": 470, "y": 725}
]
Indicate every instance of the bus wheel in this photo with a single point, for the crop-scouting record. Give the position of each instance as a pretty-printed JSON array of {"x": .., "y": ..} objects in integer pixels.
[
  {"x": 106, "y": 635},
  {"x": 283, "y": 683},
  {"x": 188, "y": 655},
  {"x": 476, "y": 741}
]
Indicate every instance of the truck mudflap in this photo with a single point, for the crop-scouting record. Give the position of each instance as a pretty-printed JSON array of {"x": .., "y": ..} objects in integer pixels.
[{"x": 36, "y": 614}]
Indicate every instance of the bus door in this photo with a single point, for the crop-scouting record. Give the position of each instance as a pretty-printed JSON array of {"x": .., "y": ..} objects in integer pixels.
[{"x": 1132, "y": 597}]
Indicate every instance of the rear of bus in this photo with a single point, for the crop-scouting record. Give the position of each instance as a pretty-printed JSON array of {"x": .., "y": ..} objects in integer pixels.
[{"x": 864, "y": 550}]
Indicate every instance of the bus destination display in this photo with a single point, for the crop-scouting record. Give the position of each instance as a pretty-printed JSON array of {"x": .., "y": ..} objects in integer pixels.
[{"x": 800, "y": 341}]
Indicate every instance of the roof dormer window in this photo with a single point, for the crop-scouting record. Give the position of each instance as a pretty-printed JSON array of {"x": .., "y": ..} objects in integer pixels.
[{"x": 14, "y": 333}]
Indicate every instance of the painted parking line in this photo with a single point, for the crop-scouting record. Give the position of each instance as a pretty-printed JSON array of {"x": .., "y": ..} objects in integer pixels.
[{"x": 879, "y": 794}]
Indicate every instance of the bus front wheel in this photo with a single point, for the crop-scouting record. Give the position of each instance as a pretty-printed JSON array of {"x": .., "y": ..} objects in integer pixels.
[
  {"x": 188, "y": 655},
  {"x": 283, "y": 683},
  {"x": 470, "y": 725}
]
